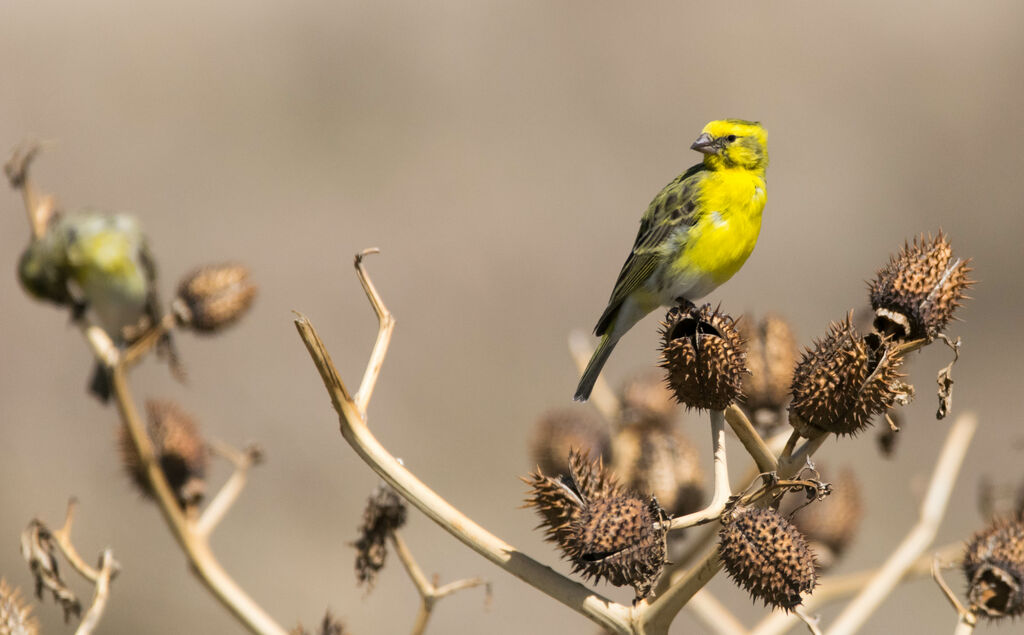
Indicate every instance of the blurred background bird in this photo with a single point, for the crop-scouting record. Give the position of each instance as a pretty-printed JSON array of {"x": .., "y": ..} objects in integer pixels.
[
  {"x": 100, "y": 263},
  {"x": 697, "y": 232}
]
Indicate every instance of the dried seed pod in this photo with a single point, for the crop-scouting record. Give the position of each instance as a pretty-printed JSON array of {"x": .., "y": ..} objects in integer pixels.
[
  {"x": 385, "y": 512},
  {"x": 563, "y": 429},
  {"x": 213, "y": 297},
  {"x": 606, "y": 532},
  {"x": 645, "y": 399},
  {"x": 704, "y": 356},
  {"x": 771, "y": 357},
  {"x": 915, "y": 294},
  {"x": 994, "y": 566},
  {"x": 15, "y": 614},
  {"x": 767, "y": 556},
  {"x": 844, "y": 381},
  {"x": 831, "y": 524},
  {"x": 658, "y": 459},
  {"x": 180, "y": 450}
]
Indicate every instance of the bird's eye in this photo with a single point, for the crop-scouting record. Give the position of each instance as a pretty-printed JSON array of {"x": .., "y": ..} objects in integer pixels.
[{"x": 731, "y": 138}]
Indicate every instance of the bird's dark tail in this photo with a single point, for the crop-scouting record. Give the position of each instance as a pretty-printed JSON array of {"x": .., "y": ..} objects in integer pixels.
[{"x": 597, "y": 360}]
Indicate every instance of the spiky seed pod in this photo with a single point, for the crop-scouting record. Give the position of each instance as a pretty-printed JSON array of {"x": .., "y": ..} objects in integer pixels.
[
  {"x": 772, "y": 355},
  {"x": 994, "y": 566},
  {"x": 915, "y": 294},
  {"x": 562, "y": 429},
  {"x": 766, "y": 555},
  {"x": 180, "y": 450},
  {"x": 658, "y": 459},
  {"x": 606, "y": 532},
  {"x": 843, "y": 382},
  {"x": 831, "y": 524},
  {"x": 15, "y": 614},
  {"x": 704, "y": 356},
  {"x": 645, "y": 399},
  {"x": 385, "y": 512},
  {"x": 213, "y": 297}
]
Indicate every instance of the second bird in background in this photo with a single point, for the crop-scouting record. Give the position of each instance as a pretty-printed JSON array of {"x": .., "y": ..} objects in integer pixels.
[{"x": 697, "y": 232}]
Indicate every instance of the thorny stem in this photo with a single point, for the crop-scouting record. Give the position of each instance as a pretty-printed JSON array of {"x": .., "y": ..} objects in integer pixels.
[
  {"x": 611, "y": 615},
  {"x": 932, "y": 510}
]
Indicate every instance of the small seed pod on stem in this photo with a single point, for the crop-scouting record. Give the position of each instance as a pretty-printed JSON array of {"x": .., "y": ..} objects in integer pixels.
[
  {"x": 994, "y": 567},
  {"x": 180, "y": 450},
  {"x": 915, "y": 294},
  {"x": 703, "y": 355},
  {"x": 766, "y": 555},
  {"x": 214, "y": 297},
  {"x": 606, "y": 532},
  {"x": 844, "y": 381}
]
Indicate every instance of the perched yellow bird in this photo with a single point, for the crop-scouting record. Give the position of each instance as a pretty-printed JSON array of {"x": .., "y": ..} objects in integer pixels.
[{"x": 697, "y": 232}]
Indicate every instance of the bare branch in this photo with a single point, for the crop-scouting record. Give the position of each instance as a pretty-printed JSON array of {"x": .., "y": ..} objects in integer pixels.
[
  {"x": 108, "y": 569},
  {"x": 380, "y": 347},
  {"x": 722, "y": 490},
  {"x": 932, "y": 511},
  {"x": 229, "y": 492},
  {"x": 608, "y": 614},
  {"x": 752, "y": 441}
]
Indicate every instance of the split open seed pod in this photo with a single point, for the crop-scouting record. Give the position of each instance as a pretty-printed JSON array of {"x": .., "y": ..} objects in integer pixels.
[
  {"x": 606, "y": 532},
  {"x": 915, "y": 294},
  {"x": 703, "y": 355},
  {"x": 994, "y": 567},
  {"x": 844, "y": 381}
]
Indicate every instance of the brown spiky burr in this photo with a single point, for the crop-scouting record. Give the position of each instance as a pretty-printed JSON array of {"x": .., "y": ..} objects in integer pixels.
[
  {"x": 15, "y": 613},
  {"x": 994, "y": 567},
  {"x": 915, "y": 294},
  {"x": 658, "y": 459},
  {"x": 703, "y": 355},
  {"x": 384, "y": 513},
  {"x": 766, "y": 555},
  {"x": 560, "y": 430},
  {"x": 180, "y": 450},
  {"x": 844, "y": 381},
  {"x": 830, "y": 524},
  {"x": 214, "y": 297},
  {"x": 772, "y": 354},
  {"x": 606, "y": 532}
]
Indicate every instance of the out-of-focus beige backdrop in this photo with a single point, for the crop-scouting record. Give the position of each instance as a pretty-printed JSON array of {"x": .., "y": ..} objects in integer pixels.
[{"x": 500, "y": 155}]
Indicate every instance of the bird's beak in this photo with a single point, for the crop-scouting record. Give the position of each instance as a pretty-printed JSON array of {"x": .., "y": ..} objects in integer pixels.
[{"x": 705, "y": 143}]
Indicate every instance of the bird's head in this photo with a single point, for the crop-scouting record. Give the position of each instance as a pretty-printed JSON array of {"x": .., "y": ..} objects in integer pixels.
[{"x": 733, "y": 143}]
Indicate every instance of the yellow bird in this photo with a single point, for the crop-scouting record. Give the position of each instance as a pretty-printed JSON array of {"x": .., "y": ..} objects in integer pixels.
[{"x": 697, "y": 232}]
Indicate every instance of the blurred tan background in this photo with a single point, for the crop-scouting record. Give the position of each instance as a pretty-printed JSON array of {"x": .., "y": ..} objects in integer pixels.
[{"x": 500, "y": 155}]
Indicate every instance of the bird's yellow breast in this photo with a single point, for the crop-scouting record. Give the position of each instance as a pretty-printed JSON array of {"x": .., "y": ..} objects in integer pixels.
[{"x": 729, "y": 205}]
